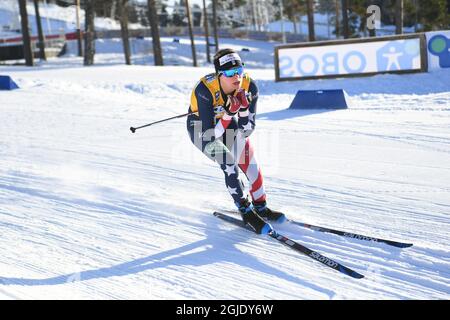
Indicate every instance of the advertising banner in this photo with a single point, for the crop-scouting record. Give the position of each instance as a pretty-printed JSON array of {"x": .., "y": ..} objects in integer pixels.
[
  {"x": 354, "y": 57},
  {"x": 438, "y": 44}
]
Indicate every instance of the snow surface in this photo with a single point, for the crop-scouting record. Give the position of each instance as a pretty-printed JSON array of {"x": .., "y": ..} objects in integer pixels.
[{"x": 91, "y": 211}]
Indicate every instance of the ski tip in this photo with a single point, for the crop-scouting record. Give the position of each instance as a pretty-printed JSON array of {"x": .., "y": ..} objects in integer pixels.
[
  {"x": 350, "y": 272},
  {"x": 355, "y": 274},
  {"x": 403, "y": 245},
  {"x": 397, "y": 244}
]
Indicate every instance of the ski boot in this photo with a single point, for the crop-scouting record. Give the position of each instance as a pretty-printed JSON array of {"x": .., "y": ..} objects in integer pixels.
[
  {"x": 269, "y": 214},
  {"x": 251, "y": 218}
]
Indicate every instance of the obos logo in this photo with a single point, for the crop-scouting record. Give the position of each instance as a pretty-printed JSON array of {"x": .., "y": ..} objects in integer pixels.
[{"x": 368, "y": 57}]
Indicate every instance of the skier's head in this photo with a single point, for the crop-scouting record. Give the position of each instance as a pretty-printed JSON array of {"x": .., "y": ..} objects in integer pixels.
[
  {"x": 229, "y": 69},
  {"x": 226, "y": 59}
]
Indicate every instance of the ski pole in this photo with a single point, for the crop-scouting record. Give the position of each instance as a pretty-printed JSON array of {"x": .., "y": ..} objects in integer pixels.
[{"x": 133, "y": 129}]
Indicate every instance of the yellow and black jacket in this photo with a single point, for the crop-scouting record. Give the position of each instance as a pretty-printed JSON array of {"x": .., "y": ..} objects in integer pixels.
[{"x": 207, "y": 101}]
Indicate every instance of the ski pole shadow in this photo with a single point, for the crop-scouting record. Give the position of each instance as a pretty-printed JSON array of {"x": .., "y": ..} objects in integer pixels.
[{"x": 218, "y": 246}]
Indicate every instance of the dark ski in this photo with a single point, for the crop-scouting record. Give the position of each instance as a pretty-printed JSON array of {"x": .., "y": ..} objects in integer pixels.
[
  {"x": 296, "y": 246},
  {"x": 345, "y": 234},
  {"x": 352, "y": 235}
]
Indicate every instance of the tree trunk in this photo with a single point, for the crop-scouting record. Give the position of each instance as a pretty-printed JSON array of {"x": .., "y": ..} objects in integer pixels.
[
  {"x": 216, "y": 38},
  {"x": 27, "y": 52},
  {"x": 258, "y": 16},
  {"x": 336, "y": 6},
  {"x": 154, "y": 25},
  {"x": 123, "y": 13},
  {"x": 205, "y": 20},
  {"x": 112, "y": 14},
  {"x": 310, "y": 10},
  {"x": 398, "y": 16},
  {"x": 191, "y": 33},
  {"x": 294, "y": 22},
  {"x": 79, "y": 35},
  {"x": 89, "y": 40},
  {"x": 40, "y": 32},
  {"x": 345, "y": 19},
  {"x": 372, "y": 32}
]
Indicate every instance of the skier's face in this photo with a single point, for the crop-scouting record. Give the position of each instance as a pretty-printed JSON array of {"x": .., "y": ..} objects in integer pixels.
[{"x": 230, "y": 84}]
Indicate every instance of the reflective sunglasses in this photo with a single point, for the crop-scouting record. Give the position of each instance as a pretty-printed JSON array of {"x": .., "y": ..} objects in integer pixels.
[{"x": 230, "y": 73}]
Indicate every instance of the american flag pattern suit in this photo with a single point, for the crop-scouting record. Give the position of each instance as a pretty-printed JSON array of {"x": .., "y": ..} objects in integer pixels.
[{"x": 224, "y": 138}]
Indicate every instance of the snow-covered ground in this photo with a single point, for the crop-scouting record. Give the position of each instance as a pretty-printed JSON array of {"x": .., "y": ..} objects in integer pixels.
[
  {"x": 256, "y": 54},
  {"x": 89, "y": 210}
]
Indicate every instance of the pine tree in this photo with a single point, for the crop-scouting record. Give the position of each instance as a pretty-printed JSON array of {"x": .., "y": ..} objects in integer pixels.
[
  {"x": 292, "y": 9},
  {"x": 433, "y": 15}
]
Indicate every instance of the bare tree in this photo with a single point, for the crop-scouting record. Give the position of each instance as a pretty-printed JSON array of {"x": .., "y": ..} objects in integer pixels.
[
  {"x": 191, "y": 33},
  {"x": 216, "y": 37},
  {"x": 336, "y": 7},
  {"x": 123, "y": 13},
  {"x": 310, "y": 12},
  {"x": 254, "y": 20},
  {"x": 345, "y": 19},
  {"x": 398, "y": 16},
  {"x": 41, "y": 41},
  {"x": 154, "y": 25},
  {"x": 27, "y": 52},
  {"x": 89, "y": 40},
  {"x": 205, "y": 21},
  {"x": 78, "y": 31}
]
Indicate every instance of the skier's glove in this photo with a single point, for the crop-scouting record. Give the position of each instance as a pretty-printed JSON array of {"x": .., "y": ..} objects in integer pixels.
[
  {"x": 232, "y": 106},
  {"x": 244, "y": 99}
]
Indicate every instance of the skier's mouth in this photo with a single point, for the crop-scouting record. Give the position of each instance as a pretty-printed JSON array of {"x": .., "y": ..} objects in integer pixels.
[{"x": 236, "y": 83}]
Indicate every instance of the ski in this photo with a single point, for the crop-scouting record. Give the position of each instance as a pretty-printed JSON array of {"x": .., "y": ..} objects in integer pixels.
[
  {"x": 296, "y": 246},
  {"x": 352, "y": 235},
  {"x": 345, "y": 234}
]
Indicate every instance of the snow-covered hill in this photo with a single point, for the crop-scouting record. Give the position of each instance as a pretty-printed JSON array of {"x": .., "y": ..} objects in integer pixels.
[{"x": 89, "y": 210}]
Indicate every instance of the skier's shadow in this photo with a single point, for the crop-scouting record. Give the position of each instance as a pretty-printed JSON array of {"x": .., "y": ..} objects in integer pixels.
[{"x": 199, "y": 253}]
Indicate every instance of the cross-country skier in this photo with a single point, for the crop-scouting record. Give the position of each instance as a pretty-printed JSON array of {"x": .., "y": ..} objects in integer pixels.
[{"x": 224, "y": 106}]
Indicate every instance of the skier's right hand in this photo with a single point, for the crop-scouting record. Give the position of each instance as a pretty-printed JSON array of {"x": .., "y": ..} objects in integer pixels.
[
  {"x": 232, "y": 105},
  {"x": 244, "y": 99}
]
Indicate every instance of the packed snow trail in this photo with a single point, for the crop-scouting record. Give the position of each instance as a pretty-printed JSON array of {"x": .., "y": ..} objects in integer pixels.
[{"x": 90, "y": 210}]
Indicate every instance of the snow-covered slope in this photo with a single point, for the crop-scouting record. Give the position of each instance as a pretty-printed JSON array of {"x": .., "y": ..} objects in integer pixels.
[{"x": 89, "y": 210}]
